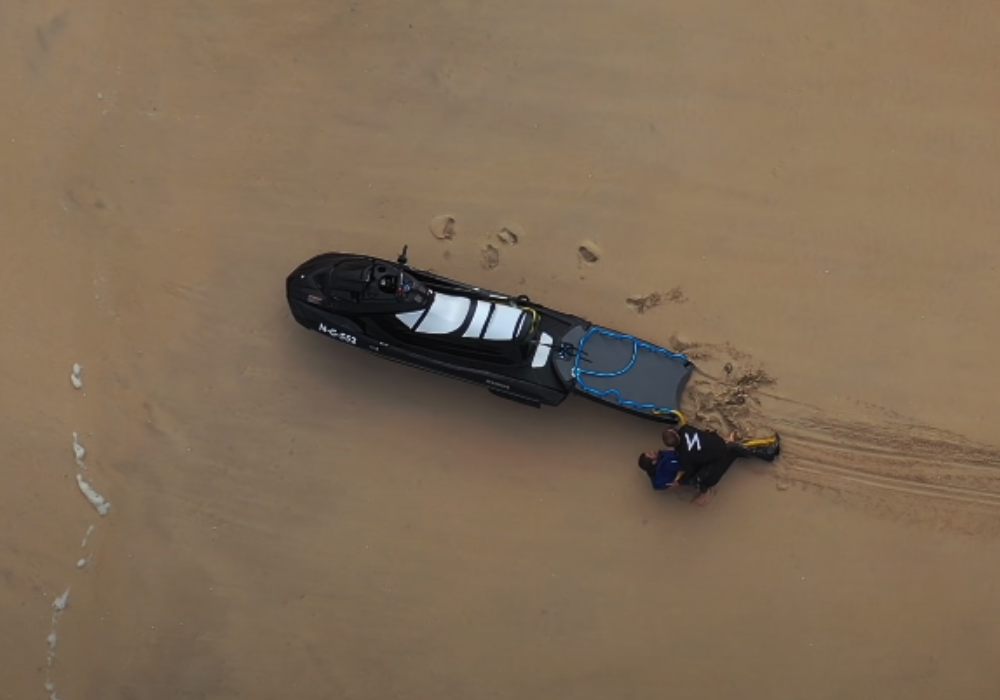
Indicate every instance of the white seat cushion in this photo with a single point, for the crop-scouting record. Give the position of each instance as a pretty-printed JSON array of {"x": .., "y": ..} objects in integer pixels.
[
  {"x": 504, "y": 323},
  {"x": 445, "y": 315}
]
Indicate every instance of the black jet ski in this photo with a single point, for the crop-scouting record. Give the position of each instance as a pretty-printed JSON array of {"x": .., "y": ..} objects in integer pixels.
[{"x": 516, "y": 348}]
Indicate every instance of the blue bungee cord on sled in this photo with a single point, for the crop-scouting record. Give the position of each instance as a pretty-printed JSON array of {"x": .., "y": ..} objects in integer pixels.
[{"x": 579, "y": 372}]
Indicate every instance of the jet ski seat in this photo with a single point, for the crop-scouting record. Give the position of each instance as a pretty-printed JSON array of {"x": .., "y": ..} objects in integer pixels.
[{"x": 486, "y": 320}]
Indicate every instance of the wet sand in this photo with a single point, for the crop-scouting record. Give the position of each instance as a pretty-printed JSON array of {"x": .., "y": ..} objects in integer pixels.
[{"x": 811, "y": 193}]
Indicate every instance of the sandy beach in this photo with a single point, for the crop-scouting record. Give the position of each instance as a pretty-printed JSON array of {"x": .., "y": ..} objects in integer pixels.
[{"x": 808, "y": 190}]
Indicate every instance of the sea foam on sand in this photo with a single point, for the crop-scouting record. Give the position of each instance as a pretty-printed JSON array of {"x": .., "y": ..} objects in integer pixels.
[
  {"x": 97, "y": 500},
  {"x": 102, "y": 506},
  {"x": 59, "y": 604},
  {"x": 75, "y": 376},
  {"x": 79, "y": 451}
]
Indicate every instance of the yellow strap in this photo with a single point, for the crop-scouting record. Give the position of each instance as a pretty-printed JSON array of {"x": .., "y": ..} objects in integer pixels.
[
  {"x": 760, "y": 442},
  {"x": 681, "y": 420},
  {"x": 535, "y": 318}
]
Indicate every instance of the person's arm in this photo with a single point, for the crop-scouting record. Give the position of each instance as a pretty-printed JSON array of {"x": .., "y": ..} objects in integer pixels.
[{"x": 688, "y": 466}]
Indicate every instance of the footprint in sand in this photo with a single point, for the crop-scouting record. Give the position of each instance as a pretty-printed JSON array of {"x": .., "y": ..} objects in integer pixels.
[
  {"x": 507, "y": 235},
  {"x": 443, "y": 227},
  {"x": 511, "y": 234},
  {"x": 642, "y": 304},
  {"x": 490, "y": 256},
  {"x": 589, "y": 253}
]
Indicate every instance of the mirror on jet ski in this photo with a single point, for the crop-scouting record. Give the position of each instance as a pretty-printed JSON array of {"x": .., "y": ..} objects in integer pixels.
[{"x": 401, "y": 261}]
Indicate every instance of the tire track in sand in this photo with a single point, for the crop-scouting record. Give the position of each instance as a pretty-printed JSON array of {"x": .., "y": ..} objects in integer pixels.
[
  {"x": 868, "y": 457},
  {"x": 892, "y": 465}
]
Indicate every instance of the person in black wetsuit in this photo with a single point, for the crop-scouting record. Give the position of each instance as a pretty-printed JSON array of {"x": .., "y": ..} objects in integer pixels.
[{"x": 705, "y": 456}]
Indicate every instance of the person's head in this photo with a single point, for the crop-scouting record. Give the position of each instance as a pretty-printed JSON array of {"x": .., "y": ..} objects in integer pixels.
[
  {"x": 671, "y": 438},
  {"x": 647, "y": 462}
]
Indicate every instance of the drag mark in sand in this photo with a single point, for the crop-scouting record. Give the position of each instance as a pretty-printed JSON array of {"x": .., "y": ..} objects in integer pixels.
[
  {"x": 867, "y": 458},
  {"x": 882, "y": 462}
]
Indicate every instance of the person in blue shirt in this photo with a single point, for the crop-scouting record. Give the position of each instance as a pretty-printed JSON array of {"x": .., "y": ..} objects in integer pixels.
[{"x": 662, "y": 468}]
